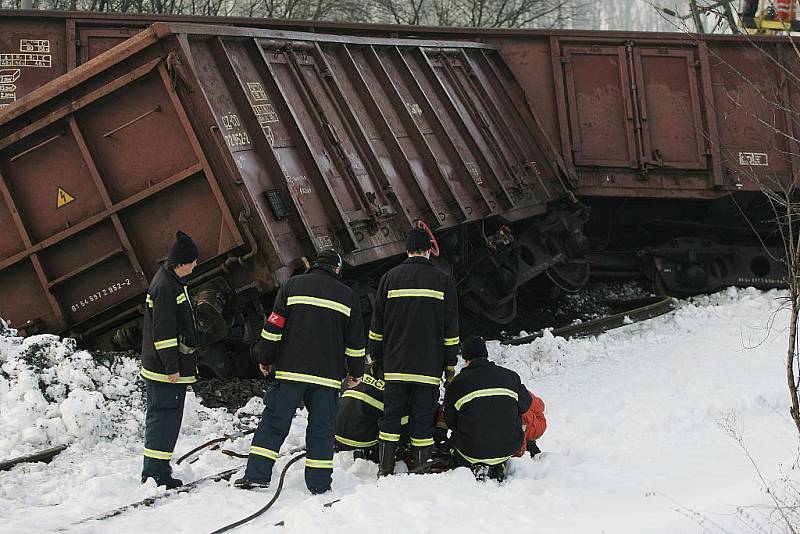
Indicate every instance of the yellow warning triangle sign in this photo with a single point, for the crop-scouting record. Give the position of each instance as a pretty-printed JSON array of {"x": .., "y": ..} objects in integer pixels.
[{"x": 64, "y": 198}]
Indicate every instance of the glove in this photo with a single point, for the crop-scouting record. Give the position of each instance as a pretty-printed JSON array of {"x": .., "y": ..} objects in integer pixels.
[
  {"x": 449, "y": 375},
  {"x": 260, "y": 353}
]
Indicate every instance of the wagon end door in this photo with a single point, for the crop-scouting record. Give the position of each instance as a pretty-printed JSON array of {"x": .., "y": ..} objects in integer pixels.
[
  {"x": 601, "y": 115},
  {"x": 669, "y": 108}
]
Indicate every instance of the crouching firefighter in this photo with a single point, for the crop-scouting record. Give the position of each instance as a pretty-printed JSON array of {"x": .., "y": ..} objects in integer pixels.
[
  {"x": 414, "y": 333},
  {"x": 483, "y": 407},
  {"x": 168, "y": 359},
  {"x": 314, "y": 333},
  {"x": 360, "y": 408}
]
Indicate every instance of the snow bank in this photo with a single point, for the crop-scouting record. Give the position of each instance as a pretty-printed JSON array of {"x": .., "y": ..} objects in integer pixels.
[{"x": 51, "y": 393}]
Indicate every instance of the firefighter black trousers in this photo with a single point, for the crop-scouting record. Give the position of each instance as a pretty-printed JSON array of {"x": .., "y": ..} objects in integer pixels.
[
  {"x": 419, "y": 401},
  {"x": 162, "y": 425},
  {"x": 281, "y": 400}
]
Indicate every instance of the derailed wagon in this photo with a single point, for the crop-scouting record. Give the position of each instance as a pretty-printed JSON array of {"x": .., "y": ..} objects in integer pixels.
[
  {"x": 670, "y": 136},
  {"x": 267, "y": 146}
]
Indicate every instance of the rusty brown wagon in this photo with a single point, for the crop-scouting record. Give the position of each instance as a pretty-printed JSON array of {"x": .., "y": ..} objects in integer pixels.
[{"x": 267, "y": 146}]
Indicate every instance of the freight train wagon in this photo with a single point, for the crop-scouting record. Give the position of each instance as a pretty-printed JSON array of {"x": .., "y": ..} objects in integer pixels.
[
  {"x": 266, "y": 147},
  {"x": 668, "y": 137}
]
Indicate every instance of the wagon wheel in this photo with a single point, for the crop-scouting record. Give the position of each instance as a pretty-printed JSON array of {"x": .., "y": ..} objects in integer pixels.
[
  {"x": 569, "y": 276},
  {"x": 502, "y": 314}
]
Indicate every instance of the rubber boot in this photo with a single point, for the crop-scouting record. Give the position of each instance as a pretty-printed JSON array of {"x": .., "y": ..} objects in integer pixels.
[
  {"x": 167, "y": 481},
  {"x": 421, "y": 455},
  {"x": 498, "y": 472},
  {"x": 246, "y": 484},
  {"x": 387, "y": 450},
  {"x": 480, "y": 471}
]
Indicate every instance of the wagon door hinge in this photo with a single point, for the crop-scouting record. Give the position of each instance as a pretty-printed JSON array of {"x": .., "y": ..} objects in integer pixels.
[{"x": 367, "y": 201}]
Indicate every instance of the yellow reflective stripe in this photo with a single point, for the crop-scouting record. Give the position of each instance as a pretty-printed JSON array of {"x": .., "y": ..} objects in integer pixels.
[
  {"x": 372, "y": 401},
  {"x": 158, "y": 377},
  {"x": 270, "y": 336},
  {"x": 490, "y": 392},
  {"x": 180, "y": 299},
  {"x": 266, "y": 453},
  {"x": 487, "y": 461},
  {"x": 355, "y": 353},
  {"x": 451, "y": 367},
  {"x": 354, "y": 443},
  {"x": 158, "y": 455},
  {"x": 429, "y": 293},
  {"x": 448, "y": 341},
  {"x": 309, "y": 379},
  {"x": 319, "y": 464},
  {"x": 148, "y": 301},
  {"x": 320, "y": 303},
  {"x": 374, "y": 336},
  {"x": 406, "y": 377},
  {"x": 404, "y": 420},
  {"x": 386, "y": 436},
  {"x": 166, "y": 343},
  {"x": 421, "y": 442}
]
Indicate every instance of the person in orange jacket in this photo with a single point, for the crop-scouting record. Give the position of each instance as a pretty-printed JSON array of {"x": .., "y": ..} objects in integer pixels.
[{"x": 534, "y": 424}]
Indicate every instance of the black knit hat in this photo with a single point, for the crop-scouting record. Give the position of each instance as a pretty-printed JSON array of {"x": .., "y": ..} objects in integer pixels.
[
  {"x": 418, "y": 240},
  {"x": 473, "y": 347},
  {"x": 183, "y": 251},
  {"x": 328, "y": 258}
]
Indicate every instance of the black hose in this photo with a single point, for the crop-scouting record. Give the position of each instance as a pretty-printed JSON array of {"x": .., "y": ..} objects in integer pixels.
[
  {"x": 215, "y": 441},
  {"x": 201, "y": 447},
  {"x": 228, "y": 452},
  {"x": 267, "y": 506}
]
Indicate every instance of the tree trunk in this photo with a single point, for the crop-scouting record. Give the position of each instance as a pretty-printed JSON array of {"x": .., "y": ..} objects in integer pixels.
[{"x": 790, "y": 357}]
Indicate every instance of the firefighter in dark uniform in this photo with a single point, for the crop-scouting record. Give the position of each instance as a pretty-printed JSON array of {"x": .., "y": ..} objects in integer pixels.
[
  {"x": 414, "y": 333},
  {"x": 168, "y": 360},
  {"x": 483, "y": 407},
  {"x": 314, "y": 333},
  {"x": 357, "y": 418}
]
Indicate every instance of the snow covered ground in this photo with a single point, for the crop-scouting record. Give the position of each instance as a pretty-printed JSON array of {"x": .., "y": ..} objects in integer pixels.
[{"x": 636, "y": 441}]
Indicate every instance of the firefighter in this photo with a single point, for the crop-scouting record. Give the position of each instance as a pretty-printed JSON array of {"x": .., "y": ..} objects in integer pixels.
[
  {"x": 360, "y": 408},
  {"x": 314, "y": 333},
  {"x": 168, "y": 360},
  {"x": 483, "y": 407},
  {"x": 414, "y": 333}
]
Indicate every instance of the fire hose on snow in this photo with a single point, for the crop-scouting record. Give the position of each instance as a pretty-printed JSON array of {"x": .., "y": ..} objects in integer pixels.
[{"x": 266, "y": 506}]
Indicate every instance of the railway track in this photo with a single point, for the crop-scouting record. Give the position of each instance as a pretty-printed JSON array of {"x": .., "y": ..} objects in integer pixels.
[{"x": 626, "y": 312}]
